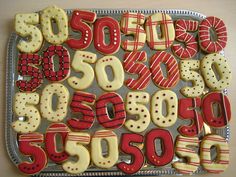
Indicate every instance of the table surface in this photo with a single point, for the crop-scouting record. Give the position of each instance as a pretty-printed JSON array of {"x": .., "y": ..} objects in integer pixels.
[{"x": 224, "y": 9}]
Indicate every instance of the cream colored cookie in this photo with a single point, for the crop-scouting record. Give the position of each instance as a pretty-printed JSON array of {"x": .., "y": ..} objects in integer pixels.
[
  {"x": 222, "y": 69},
  {"x": 135, "y": 105},
  {"x": 25, "y": 27},
  {"x": 80, "y": 64},
  {"x": 118, "y": 73},
  {"x": 62, "y": 102},
  {"x": 25, "y": 107},
  {"x": 61, "y": 20}
]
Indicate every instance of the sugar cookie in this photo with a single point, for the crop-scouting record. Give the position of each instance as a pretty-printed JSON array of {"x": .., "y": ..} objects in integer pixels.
[
  {"x": 102, "y": 77},
  {"x": 25, "y": 27},
  {"x": 77, "y": 23},
  {"x": 171, "y": 66},
  {"x": 135, "y": 105},
  {"x": 25, "y": 106},
  {"x": 222, "y": 148},
  {"x": 114, "y": 35},
  {"x": 167, "y": 31},
  {"x": 79, "y": 105},
  {"x": 112, "y": 156},
  {"x": 191, "y": 46},
  {"x": 81, "y": 63},
  {"x": 131, "y": 24},
  {"x": 119, "y": 114},
  {"x": 132, "y": 64},
  {"x": 28, "y": 145},
  {"x": 208, "y": 43},
  {"x": 183, "y": 150},
  {"x": 75, "y": 147},
  {"x": 171, "y": 100},
  {"x": 61, "y": 106},
  {"x": 224, "y": 109},
  {"x": 189, "y": 72},
  {"x": 48, "y": 64},
  {"x": 60, "y": 18},
  {"x": 221, "y": 68}
]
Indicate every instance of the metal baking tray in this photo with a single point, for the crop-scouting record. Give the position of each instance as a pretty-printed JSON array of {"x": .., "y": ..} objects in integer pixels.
[{"x": 54, "y": 169}]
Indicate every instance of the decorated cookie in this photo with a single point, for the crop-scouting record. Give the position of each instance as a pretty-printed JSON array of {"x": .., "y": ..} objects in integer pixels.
[
  {"x": 189, "y": 72},
  {"x": 25, "y": 27},
  {"x": 135, "y": 105},
  {"x": 28, "y": 146},
  {"x": 59, "y": 17},
  {"x": 221, "y": 67},
  {"x": 131, "y": 24},
  {"x": 25, "y": 107},
  {"x": 188, "y": 110},
  {"x": 78, "y": 22},
  {"x": 224, "y": 109},
  {"x": 51, "y": 143},
  {"x": 75, "y": 146},
  {"x": 46, "y": 109},
  {"x": 172, "y": 70},
  {"x": 81, "y": 63},
  {"x": 171, "y": 100},
  {"x": 137, "y": 158},
  {"x": 132, "y": 64},
  {"x": 167, "y": 31},
  {"x": 48, "y": 64},
  {"x": 222, "y": 148},
  {"x": 79, "y": 105},
  {"x": 183, "y": 150},
  {"x": 118, "y": 110},
  {"x": 216, "y": 43},
  {"x": 114, "y": 35},
  {"x": 191, "y": 46},
  {"x": 102, "y": 77},
  {"x": 96, "y": 149}
]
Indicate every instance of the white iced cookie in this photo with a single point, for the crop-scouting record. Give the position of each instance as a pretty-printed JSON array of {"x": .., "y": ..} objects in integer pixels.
[
  {"x": 98, "y": 158},
  {"x": 61, "y": 20},
  {"x": 62, "y": 101},
  {"x": 25, "y": 27},
  {"x": 75, "y": 147},
  {"x": 118, "y": 73},
  {"x": 135, "y": 105},
  {"x": 81, "y": 64},
  {"x": 25, "y": 107},
  {"x": 171, "y": 101}
]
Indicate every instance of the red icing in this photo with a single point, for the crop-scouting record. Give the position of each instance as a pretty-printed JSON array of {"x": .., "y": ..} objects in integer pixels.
[
  {"x": 136, "y": 154},
  {"x": 167, "y": 147},
  {"x": 132, "y": 64},
  {"x": 118, "y": 110},
  {"x": 77, "y": 106},
  {"x": 225, "y": 109},
  {"x": 77, "y": 23},
  {"x": 64, "y": 62},
  {"x": 25, "y": 68},
  {"x": 99, "y": 35},
  {"x": 187, "y": 110}
]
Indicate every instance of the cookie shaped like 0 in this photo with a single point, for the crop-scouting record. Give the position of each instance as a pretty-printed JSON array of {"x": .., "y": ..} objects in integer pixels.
[
  {"x": 102, "y": 77},
  {"x": 96, "y": 149},
  {"x": 99, "y": 35},
  {"x": 221, "y": 68},
  {"x": 60, "y": 18},
  {"x": 206, "y": 43},
  {"x": 222, "y": 159},
  {"x": 172, "y": 70},
  {"x": 167, "y": 30},
  {"x": 25, "y": 106},
  {"x": 62, "y": 101}
]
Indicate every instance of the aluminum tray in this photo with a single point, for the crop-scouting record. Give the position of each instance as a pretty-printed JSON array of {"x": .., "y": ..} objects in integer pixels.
[{"x": 54, "y": 169}]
